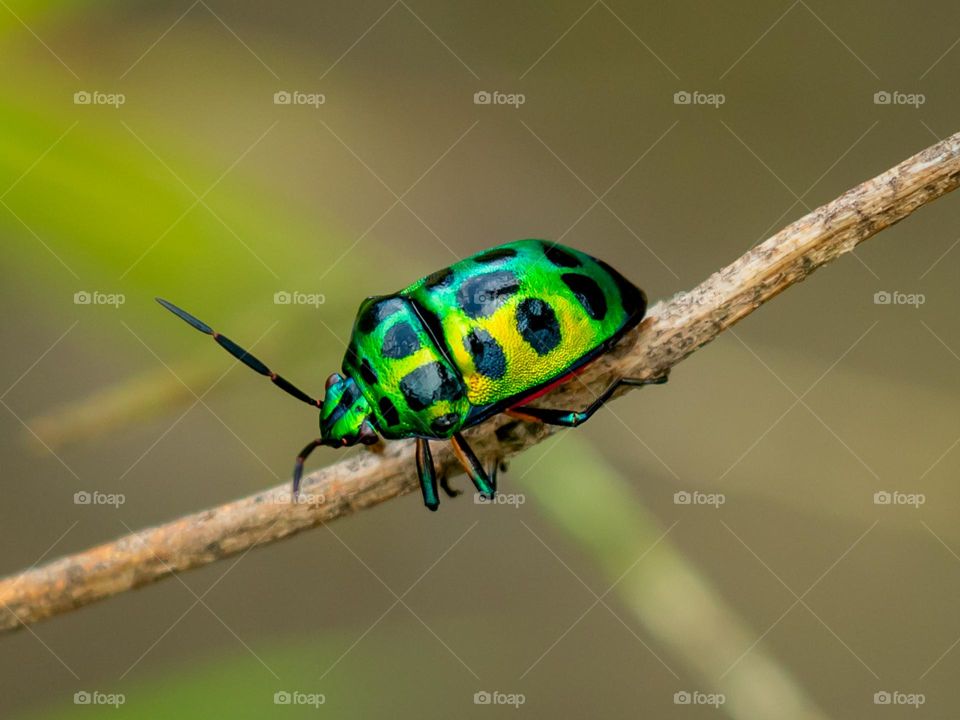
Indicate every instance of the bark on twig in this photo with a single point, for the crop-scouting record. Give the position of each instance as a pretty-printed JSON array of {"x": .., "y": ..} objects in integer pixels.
[{"x": 675, "y": 328}]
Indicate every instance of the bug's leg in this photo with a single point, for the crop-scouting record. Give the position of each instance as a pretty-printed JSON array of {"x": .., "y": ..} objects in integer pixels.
[
  {"x": 427, "y": 474},
  {"x": 573, "y": 418},
  {"x": 298, "y": 466},
  {"x": 473, "y": 466},
  {"x": 447, "y": 487},
  {"x": 495, "y": 465},
  {"x": 491, "y": 473}
]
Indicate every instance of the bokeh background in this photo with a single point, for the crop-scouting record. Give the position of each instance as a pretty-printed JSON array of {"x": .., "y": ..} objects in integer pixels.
[{"x": 595, "y": 594}]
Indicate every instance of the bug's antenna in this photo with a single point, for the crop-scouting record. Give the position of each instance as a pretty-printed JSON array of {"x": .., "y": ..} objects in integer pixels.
[{"x": 242, "y": 355}]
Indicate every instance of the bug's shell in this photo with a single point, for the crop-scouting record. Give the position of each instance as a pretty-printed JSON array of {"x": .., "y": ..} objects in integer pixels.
[{"x": 473, "y": 339}]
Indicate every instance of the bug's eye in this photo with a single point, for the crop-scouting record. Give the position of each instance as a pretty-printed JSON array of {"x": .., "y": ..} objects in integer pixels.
[{"x": 332, "y": 380}]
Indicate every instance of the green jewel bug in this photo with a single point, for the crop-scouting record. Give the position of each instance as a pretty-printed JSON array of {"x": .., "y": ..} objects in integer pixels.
[{"x": 486, "y": 335}]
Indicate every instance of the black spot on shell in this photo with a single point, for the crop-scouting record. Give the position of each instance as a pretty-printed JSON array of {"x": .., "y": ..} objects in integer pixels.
[
  {"x": 633, "y": 299},
  {"x": 350, "y": 395},
  {"x": 367, "y": 372},
  {"x": 428, "y": 384},
  {"x": 537, "y": 324},
  {"x": 351, "y": 359},
  {"x": 480, "y": 296},
  {"x": 377, "y": 311},
  {"x": 400, "y": 341},
  {"x": 488, "y": 357},
  {"x": 388, "y": 411},
  {"x": 560, "y": 257},
  {"x": 440, "y": 277},
  {"x": 496, "y": 254},
  {"x": 442, "y": 424},
  {"x": 588, "y": 293}
]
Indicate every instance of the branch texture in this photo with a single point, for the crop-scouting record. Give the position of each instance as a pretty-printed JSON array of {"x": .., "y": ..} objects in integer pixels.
[{"x": 674, "y": 329}]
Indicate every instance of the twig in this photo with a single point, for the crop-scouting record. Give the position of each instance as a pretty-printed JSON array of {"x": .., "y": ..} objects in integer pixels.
[{"x": 674, "y": 329}]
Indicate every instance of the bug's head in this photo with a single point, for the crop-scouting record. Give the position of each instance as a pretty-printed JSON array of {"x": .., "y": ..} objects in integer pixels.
[{"x": 344, "y": 417}]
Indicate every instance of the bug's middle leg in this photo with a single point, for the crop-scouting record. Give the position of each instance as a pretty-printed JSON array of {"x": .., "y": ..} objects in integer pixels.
[
  {"x": 495, "y": 466},
  {"x": 427, "y": 474},
  {"x": 573, "y": 418},
  {"x": 485, "y": 485}
]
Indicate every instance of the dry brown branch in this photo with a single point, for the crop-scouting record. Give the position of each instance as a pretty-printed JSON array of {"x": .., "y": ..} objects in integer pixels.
[{"x": 675, "y": 329}]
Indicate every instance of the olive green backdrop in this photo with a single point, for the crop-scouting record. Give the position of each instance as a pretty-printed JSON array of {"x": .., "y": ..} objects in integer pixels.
[{"x": 665, "y": 138}]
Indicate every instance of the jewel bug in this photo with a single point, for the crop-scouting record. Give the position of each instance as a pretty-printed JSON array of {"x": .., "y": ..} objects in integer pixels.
[{"x": 483, "y": 336}]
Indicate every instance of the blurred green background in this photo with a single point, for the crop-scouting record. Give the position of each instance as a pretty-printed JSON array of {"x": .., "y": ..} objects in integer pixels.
[{"x": 599, "y": 595}]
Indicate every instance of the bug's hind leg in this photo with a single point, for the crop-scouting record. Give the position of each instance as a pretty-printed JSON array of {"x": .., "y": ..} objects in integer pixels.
[
  {"x": 447, "y": 487},
  {"x": 573, "y": 418},
  {"x": 497, "y": 465},
  {"x": 481, "y": 480},
  {"x": 427, "y": 474}
]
